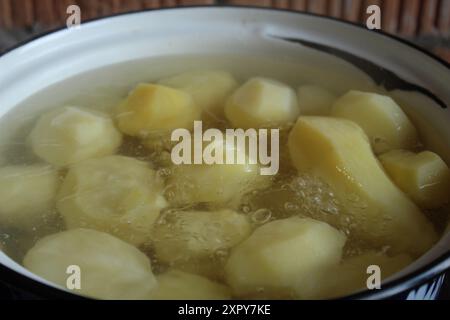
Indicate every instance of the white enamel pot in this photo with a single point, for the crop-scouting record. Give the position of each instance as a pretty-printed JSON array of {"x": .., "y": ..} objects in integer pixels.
[{"x": 58, "y": 56}]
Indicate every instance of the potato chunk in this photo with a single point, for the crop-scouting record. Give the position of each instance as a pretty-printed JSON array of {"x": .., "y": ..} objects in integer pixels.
[
  {"x": 178, "y": 285},
  {"x": 152, "y": 109},
  {"x": 384, "y": 122},
  {"x": 281, "y": 254},
  {"x": 215, "y": 183},
  {"x": 210, "y": 89},
  {"x": 109, "y": 268},
  {"x": 424, "y": 176},
  {"x": 338, "y": 152},
  {"x": 315, "y": 101},
  {"x": 26, "y": 194},
  {"x": 260, "y": 103},
  {"x": 192, "y": 240},
  {"x": 115, "y": 194},
  {"x": 351, "y": 275},
  {"x": 71, "y": 134}
]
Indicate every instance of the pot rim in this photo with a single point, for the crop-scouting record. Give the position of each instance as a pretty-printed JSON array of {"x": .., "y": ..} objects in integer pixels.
[{"x": 391, "y": 288}]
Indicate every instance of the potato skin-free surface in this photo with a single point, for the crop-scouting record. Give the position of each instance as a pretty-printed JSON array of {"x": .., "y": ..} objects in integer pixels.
[
  {"x": 281, "y": 254},
  {"x": 68, "y": 135},
  {"x": 109, "y": 268},
  {"x": 27, "y": 193},
  {"x": 338, "y": 152},
  {"x": 115, "y": 194}
]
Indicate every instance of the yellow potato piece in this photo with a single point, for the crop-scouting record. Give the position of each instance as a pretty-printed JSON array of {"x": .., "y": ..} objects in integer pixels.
[
  {"x": 210, "y": 88},
  {"x": 108, "y": 267},
  {"x": 262, "y": 102},
  {"x": 69, "y": 135},
  {"x": 351, "y": 275},
  {"x": 384, "y": 122},
  {"x": 115, "y": 194},
  {"x": 179, "y": 285},
  {"x": 315, "y": 101},
  {"x": 27, "y": 193},
  {"x": 193, "y": 240},
  {"x": 280, "y": 254},
  {"x": 424, "y": 176},
  {"x": 338, "y": 152},
  {"x": 215, "y": 183},
  {"x": 152, "y": 109}
]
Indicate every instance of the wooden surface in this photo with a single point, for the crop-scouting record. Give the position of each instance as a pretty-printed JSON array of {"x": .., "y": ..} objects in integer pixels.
[{"x": 407, "y": 17}]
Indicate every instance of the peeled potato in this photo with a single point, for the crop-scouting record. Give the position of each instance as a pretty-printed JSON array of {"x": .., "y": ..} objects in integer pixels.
[
  {"x": 315, "y": 101},
  {"x": 215, "y": 183},
  {"x": 280, "y": 254},
  {"x": 192, "y": 240},
  {"x": 26, "y": 194},
  {"x": 351, "y": 275},
  {"x": 384, "y": 122},
  {"x": 109, "y": 268},
  {"x": 71, "y": 134},
  {"x": 424, "y": 176},
  {"x": 115, "y": 194},
  {"x": 178, "y": 285},
  {"x": 209, "y": 89},
  {"x": 152, "y": 109},
  {"x": 338, "y": 152},
  {"x": 260, "y": 103}
]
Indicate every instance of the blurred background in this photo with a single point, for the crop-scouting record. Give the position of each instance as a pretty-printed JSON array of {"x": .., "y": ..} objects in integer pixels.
[{"x": 425, "y": 22}]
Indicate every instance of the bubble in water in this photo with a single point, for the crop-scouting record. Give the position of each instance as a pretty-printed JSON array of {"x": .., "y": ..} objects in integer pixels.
[
  {"x": 261, "y": 216},
  {"x": 245, "y": 208},
  {"x": 289, "y": 206}
]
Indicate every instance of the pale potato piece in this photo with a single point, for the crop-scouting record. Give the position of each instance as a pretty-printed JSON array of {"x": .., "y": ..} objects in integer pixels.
[
  {"x": 262, "y": 102},
  {"x": 115, "y": 194},
  {"x": 423, "y": 176},
  {"x": 338, "y": 152},
  {"x": 351, "y": 275},
  {"x": 109, "y": 268},
  {"x": 191, "y": 240},
  {"x": 280, "y": 254},
  {"x": 381, "y": 118},
  {"x": 315, "y": 100},
  {"x": 27, "y": 193},
  {"x": 152, "y": 109},
  {"x": 215, "y": 183},
  {"x": 179, "y": 285},
  {"x": 210, "y": 88},
  {"x": 68, "y": 135}
]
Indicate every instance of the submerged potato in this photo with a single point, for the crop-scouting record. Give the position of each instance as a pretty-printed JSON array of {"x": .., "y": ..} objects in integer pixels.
[
  {"x": 109, "y": 268},
  {"x": 209, "y": 89},
  {"x": 215, "y": 183},
  {"x": 68, "y": 135},
  {"x": 351, "y": 275},
  {"x": 338, "y": 152},
  {"x": 315, "y": 101},
  {"x": 281, "y": 254},
  {"x": 384, "y": 122},
  {"x": 191, "y": 240},
  {"x": 424, "y": 176},
  {"x": 152, "y": 109},
  {"x": 115, "y": 194},
  {"x": 260, "y": 103},
  {"x": 179, "y": 285},
  {"x": 26, "y": 194}
]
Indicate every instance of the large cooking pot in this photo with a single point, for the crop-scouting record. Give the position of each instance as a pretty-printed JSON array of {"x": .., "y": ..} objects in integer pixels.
[{"x": 413, "y": 76}]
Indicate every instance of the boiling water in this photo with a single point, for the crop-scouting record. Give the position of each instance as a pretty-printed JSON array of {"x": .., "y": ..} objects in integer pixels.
[{"x": 289, "y": 195}]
